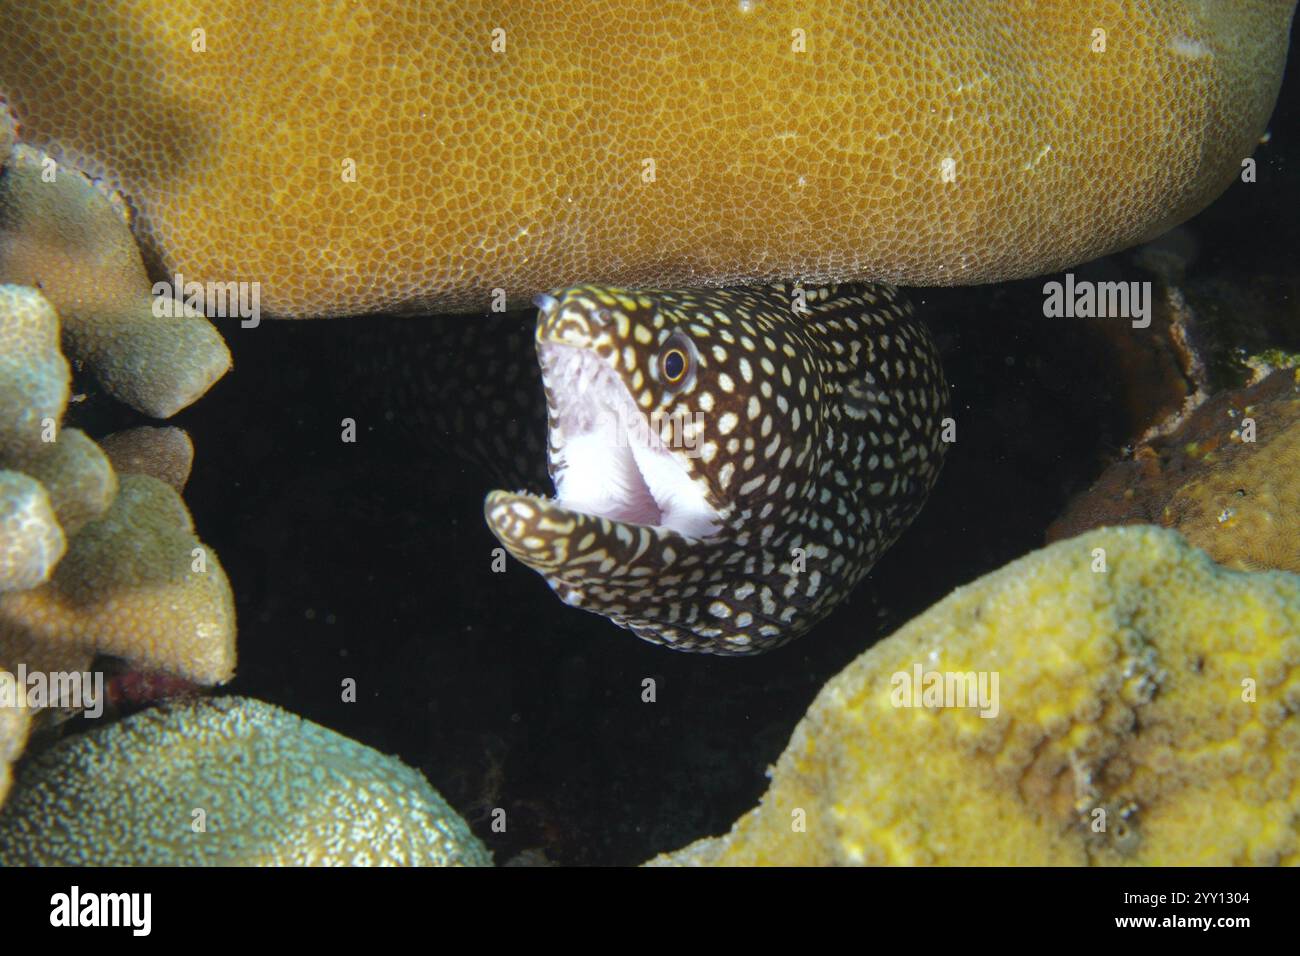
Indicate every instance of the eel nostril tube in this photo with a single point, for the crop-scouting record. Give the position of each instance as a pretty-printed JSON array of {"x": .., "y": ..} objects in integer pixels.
[{"x": 546, "y": 302}]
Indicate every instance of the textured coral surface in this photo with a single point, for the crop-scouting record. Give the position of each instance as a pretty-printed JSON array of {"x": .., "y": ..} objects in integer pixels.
[
  {"x": 163, "y": 453},
  {"x": 137, "y": 584},
  {"x": 68, "y": 237},
  {"x": 34, "y": 375},
  {"x": 13, "y": 736},
  {"x": 356, "y": 156},
  {"x": 1162, "y": 692},
  {"x": 31, "y": 541},
  {"x": 231, "y": 781},
  {"x": 1228, "y": 478}
]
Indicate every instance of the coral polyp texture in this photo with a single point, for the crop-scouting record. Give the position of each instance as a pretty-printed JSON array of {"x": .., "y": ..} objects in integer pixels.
[
  {"x": 137, "y": 584},
  {"x": 231, "y": 781},
  {"x": 64, "y": 235},
  {"x": 163, "y": 453},
  {"x": 90, "y": 564},
  {"x": 78, "y": 477},
  {"x": 8, "y": 128},
  {"x": 13, "y": 737},
  {"x": 1145, "y": 712},
  {"x": 34, "y": 375},
  {"x": 31, "y": 541},
  {"x": 422, "y": 154},
  {"x": 1227, "y": 477}
]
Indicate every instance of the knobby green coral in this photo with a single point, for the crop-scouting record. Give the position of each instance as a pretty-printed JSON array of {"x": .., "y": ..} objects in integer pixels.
[
  {"x": 229, "y": 781},
  {"x": 1144, "y": 711},
  {"x": 85, "y": 569}
]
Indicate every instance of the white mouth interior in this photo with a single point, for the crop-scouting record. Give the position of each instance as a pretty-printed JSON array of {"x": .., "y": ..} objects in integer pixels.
[{"x": 609, "y": 462}]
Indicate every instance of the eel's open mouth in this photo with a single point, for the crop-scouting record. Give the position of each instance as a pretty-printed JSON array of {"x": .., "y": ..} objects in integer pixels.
[{"x": 607, "y": 457}]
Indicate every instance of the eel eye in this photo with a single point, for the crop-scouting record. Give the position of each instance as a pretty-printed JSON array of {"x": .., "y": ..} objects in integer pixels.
[
  {"x": 674, "y": 362},
  {"x": 674, "y": 365},
  {"x": 677, "y": 361}
]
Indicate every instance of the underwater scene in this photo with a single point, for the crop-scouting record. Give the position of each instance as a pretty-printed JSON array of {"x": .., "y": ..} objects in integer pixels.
[{"x": 596, "y": 434}]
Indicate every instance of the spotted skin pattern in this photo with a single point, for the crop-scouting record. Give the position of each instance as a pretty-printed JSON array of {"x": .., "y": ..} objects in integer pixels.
[{"x": 813, "y": 419}]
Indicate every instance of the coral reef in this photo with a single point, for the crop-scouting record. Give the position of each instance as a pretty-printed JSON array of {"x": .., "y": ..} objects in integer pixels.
[
  {"x": 8, "y": 128},
  {"x": 134, "y": 582},
  {"x": 1160, "y": 373},
  {"x": 1243, "y": 325},
  {"x": 1144, "y": 714},
  {"x": 403, "y": 156},
  {"x": 31, "y": 541},
  {"x": 137, "y": 584},
  {"x": 13, "y": 737},
  {"x": 425, "y": 154},
  {"x": 33, "y": 395},
  {"x": 77, "y": 474},
  {"x": 34, "y": 375},
  {"x": 1225, "y": 476},
  {"x": 163, "y": 453},
  {"x": 90, "y": 564},
  {"x": 60, "y": 233},
  {"x": 230, "y": 781}
]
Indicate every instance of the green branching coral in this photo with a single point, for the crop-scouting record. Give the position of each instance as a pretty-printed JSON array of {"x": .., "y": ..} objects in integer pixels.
[
  {"x": 90, "y": 564},
  {"x": 230, "y": 781},
  {"x": 77, "y": 474},
  {"x": 31, "y": 541},
  {"x": 33, "y": 394},
  {"x": 137, "y": 584},
  {"x": 13, "y": 737},
  {"x": 34, "y": 375},
  {"x": 163, "y": 453},
  {"x": 60, "y": 233}
]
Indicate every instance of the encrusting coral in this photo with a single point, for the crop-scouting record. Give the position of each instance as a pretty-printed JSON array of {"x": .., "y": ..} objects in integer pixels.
[
  {"x": 1227, "y": 477},
  {"x": 228, "y": 781},
  {"x": 1144, "y": 712},
  {"x": 422, "y": 154},
  {"x": 60, "y": 233}
]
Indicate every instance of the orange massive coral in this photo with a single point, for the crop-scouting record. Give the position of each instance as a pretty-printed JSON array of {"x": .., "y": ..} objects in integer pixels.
[{"x": 356, "y": 156}]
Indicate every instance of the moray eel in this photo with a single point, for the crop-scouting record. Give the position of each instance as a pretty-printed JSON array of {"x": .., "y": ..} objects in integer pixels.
[{"x": 728, "y": 464}]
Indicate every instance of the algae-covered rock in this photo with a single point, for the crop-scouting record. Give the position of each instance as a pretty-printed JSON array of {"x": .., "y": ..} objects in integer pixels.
[
  {"x": 1143, "y": 710},
  {"x": 1227, "y": 478},
  {"x": 230, "y": 781}
]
